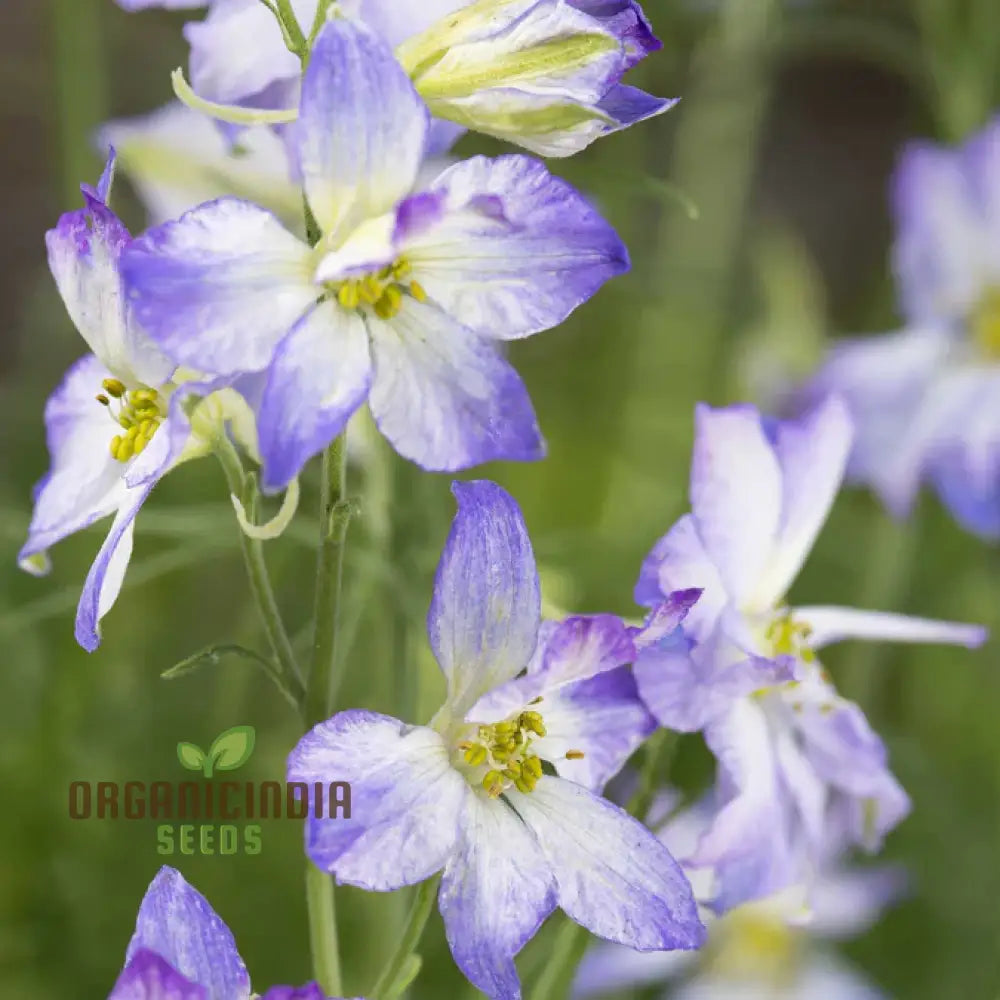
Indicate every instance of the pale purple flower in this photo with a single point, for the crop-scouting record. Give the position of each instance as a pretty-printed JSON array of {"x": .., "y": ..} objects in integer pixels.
[
  {"x": 405, "y": 301},
  {"x": 926, "y": 400},
  {"x": 467, "y": 793},
  {"x": 120, "y": 419},
  {"x": 183, "y": 950},
  {"x": 797, "y": 764}
]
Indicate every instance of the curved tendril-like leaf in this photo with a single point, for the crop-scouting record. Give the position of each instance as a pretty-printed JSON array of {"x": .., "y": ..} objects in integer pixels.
[
  {"x": 276, "y": 526},
  {"x": 231, "y": 113}
]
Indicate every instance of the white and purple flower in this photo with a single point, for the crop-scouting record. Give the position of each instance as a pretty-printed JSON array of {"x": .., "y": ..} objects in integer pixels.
[
  {"x": 406, "y": 299},
  {"x": 122, "y": 417},
  {"x": 926, "y": 400},
  {"x": 798, "y": 764},
  {"x": 183, "y": 950},
  {"x": 468, "y": 793}
]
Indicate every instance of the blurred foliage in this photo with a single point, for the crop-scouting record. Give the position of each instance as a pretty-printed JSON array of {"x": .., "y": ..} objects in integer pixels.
[{"x": 791, "y": 119}]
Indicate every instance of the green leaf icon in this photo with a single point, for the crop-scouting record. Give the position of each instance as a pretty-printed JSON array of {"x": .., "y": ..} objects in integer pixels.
[
  {"x": 231, "y": 749},
  {"x": 191, "y": 756}
]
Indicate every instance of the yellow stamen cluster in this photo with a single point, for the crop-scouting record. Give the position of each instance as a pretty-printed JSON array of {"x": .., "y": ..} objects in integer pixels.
[
  {"x": 140, "y": 413},
  {"x": 985, "y": 323},
  {"x": 752, "y": 944},
  {"x": 788, "y": 637},
  {"x": 381, "y": 291}
]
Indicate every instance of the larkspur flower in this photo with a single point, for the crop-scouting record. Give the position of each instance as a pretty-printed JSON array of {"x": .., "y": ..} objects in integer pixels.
[
  {"x": 774, "y": 948},
  {"x": 797, "y": 763},
  {"x": 545, "y": 74},
  {"x": 404, "y": 299},
  {"x": 122, "y": 417},
  {"x": 183, "y": 950},
  {"x": 926, "y": 400},
  {"x": 468, "y": 793}
]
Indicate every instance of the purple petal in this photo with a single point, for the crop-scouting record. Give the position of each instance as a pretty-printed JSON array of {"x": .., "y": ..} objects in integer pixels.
[
  {"x": 133, "y": 5},
  {"x": 311, "y": 991},
  {"x": 735, "y": 495},
  {"x": 666, "y": 618},
  {"x": 405, "y": 800},
  {"x": 515, "y": 251},
  {"x": 148, "y": 977},
  {"x": 104, "y": 581},
  {"x": 220, "y": 288},
  {"x": 628, "y": 106},
  {"x": 614, "y": 877},
  {"x": 846, "y": 902},
  {"x": 320, "y": 375},
  {"x": 177, "y": 923},
  {"x": 831, "y": 624},
  {"x": 361, "y": 130},
  {"x": 484, "y": 616},
  {"x": 496, "y": 891},
  {"x": 445, "y": 398},
  {"x": 626, "y": 20}
]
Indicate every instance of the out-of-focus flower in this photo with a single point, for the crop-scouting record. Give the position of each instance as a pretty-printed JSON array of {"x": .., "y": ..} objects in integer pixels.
[
  {"x": 404, "y": 300},
  {"x": 183, "y": 950},
  {"x": 122, "y": 417},
  {"x": 769, "y": 950},
  {"x": 798, "y": 764},
  {"x": 926, "y": 400},
  {"x": 468, "y": 794}
]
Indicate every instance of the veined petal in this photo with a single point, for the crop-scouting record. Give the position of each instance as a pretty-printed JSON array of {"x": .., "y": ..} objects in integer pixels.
[
  {"x": 444, "y": 397},
  {"x": 311, "y": 991},
  {"x": 614, "y": 877},
  {"x": 320, "y": 375},
  {"x": 84, "y": 482},
  {"x": 104, "y": 581},
  {"x": 220, "y": 288},
  {"x": 812, "y": 453},
  {"x": 831, "y": 624},
  {"x": 627, "y": 22},
  {"x": 735, "y": 495},
  {"x": 485, "y": 612},
  {"x": 496, "y": 891},
  {"x": 515, "y": 249},
  {"x": 148, "y": 977},
  {"x": 361, "y": 130},
  {"x": 177, "y": 923},
  {"x": 405, "y": 800}
]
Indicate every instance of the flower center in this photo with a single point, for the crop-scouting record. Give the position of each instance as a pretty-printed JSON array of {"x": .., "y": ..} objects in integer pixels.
[
  {"x": 754, "y": 945},
  {"x": 139, "y": 413},
  {"x": 381, "y": 291},
  {"x": 985, "y": 323},
  {"x": 500, "y": 754},
  {"x": 787, "y": 637}
]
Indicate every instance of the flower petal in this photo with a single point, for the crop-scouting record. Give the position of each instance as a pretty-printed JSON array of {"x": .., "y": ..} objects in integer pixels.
[
  {"x": 177, "y": 923},
  {"x": 361, "y": 130},
  {"x": 445, "y": 398},
  {"x": 831, "y": 624},
  {"x": 405, "y": 800},
  {"x": 311, "y": 991},
  {"x": 495, "y": 893},
  {"x": 614, "y": 877},
  {"x": 148, "y": 977},
  {"x": 320, "y": 375},
  {"x": 104, "y": 581},
  {"x": 735, "y": 495},
  {"x": 515, "y": 249},
  {"x": 219, "y": 288},
  {"x": 812, "y": 452},
  {"x": 484, "y": 616}
]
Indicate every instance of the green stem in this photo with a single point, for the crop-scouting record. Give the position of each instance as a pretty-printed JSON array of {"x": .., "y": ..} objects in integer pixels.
[
  {"x": 244, "y": 487},
  {"x": 557, "y": 977},
  {"x": 399, "y": 967},
  {"x": 323, "y": 930},
  {"x": 293, "y": 30}
]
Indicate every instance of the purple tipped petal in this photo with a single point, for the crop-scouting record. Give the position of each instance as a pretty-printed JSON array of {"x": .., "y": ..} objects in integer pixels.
[
  {"x": 311, "y": 991},
  {"x": 629, "y": 106},
  {"x": 320, "y": 375},
  {"x": 626, "y": 20},
  {"x": 830, "y": 624},
  {"x": 405, "y": 800},
  {"x": 445, "y": 398},
  {"x": 614, "y": 877},
  {"x": 177, "y": 923},
  {"x": 104, "y": 581},
  {"x": 361, "y": 130},
  {"x": 148, "y": 977},
  {"x": 735, "y": 495},
  {"x": 666, "y": 618},
  {"x": 496, "y": 891},
  {"x": 516, "y": 249},
  {"x": 484, "y": 616},
  {"x": 220, "y": 288}
]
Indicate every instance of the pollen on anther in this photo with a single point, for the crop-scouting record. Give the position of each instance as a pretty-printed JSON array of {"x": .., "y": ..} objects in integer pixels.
[{"x": 575, "y": 755}]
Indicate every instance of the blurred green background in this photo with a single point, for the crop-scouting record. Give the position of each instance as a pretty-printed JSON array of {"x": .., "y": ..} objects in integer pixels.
[{"x": 756, "y": 213}]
